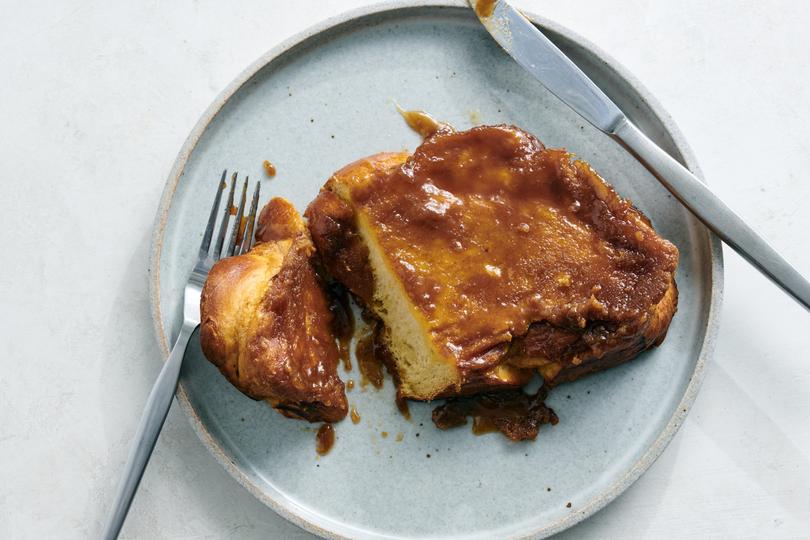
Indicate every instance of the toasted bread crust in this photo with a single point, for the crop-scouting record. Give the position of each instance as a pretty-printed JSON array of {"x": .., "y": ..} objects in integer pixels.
[{"x": 266, "y": 322}]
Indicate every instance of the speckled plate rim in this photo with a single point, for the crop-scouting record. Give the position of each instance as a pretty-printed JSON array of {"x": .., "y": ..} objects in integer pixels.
[{"x": 287, "y": 508}]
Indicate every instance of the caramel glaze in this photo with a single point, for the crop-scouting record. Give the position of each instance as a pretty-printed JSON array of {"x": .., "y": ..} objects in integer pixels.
[
  {"x": 339, "y": 246},
  {"x": 516, "y": 257},
  {"x": 278, "y": 220},
  {"x": 269, "y": 168},
  {"x": 514, "y": 413},
  {"x": 402, "y": 407},
  {"x": 372, "y": 355},
  {"x": 381, "y": 356},
  {"x": 485, "y": 8},
  {"x": 422, "y": 123},
  {"x": 577, "y": 258},
  {"x": 342, "y": 321},
  {"x": 324, "y": 439},
  {"x": 354, "y": 415},
  {"x": 266, "y": 323},
  {"x": 368, "y": 360}
]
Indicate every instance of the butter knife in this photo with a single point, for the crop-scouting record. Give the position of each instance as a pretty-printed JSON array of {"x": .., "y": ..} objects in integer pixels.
[{"x": 545, "y": 62}]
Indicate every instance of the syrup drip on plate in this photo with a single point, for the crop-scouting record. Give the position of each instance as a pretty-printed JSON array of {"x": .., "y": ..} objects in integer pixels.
[
  {"x": 342, "y": 321},
  {"x": 324, "y": 439},
  {"x": 269, "y": 168},
  {"x": 370, "y": 364},
  {"x": 514, "y": 413},
  {"x": 422, "y": 123}
]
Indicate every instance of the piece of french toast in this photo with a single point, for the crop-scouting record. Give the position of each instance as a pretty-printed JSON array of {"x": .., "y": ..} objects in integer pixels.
[
  {"x": 487, "y": 256},
  {"x": 266, "y": 322}
]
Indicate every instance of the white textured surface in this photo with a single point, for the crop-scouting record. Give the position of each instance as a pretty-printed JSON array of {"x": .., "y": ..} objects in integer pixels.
[{"x": 96, "y": 100}]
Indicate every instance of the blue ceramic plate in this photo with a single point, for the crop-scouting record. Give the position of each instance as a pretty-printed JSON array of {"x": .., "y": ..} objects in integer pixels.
[{"x": 326, "y": 98}]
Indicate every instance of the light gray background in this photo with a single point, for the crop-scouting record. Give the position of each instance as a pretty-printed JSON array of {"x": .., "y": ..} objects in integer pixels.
[{"x": 95, "y": 101}]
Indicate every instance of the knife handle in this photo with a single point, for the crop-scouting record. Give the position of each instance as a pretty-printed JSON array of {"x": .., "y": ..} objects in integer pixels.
[{"x": 713, "y": 212}]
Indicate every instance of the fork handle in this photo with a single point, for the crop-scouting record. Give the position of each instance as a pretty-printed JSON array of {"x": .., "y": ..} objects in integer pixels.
[
  {"x": 709, "y": 209},
  {"x": 154, "y": 414}
]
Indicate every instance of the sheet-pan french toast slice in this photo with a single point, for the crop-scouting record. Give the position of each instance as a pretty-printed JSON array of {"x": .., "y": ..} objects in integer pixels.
[
  {"x": 266, "y": 322},
  {"x": 487, "y": 256}
]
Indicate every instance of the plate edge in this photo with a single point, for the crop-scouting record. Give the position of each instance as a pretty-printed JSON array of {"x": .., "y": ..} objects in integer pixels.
[{"x": 178, "y": 169}]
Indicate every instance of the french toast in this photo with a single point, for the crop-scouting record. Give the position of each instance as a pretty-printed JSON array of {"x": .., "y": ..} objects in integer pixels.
[
  {"x": 487, "y": 256},
  {"x": 266, "y": 322}
]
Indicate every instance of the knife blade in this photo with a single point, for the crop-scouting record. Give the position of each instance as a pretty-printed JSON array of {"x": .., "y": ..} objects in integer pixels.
[
  {"x": 530, "y": 48},
  {"x": 539, "y": 56}
]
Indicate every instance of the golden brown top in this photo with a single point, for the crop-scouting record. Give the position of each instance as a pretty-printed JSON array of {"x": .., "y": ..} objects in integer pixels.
[{"x": 489, "y": 232}]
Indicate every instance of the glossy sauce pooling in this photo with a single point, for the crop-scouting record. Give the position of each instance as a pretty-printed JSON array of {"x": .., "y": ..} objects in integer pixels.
[
  {"x": 422, "y": 123},
  {"x": 369, "y": 362},
  {"x": 269, "y": 168},
  {"x": 355, "y": 416},
  {"x": 489, "y": 231},
  {"x": 324, "y": 439},
  {"x": 515, "y": 414},
  {"x": 484, "y": 8},
  {"x": 342, "y": 321},
  {"x": 402, "y": 407}
]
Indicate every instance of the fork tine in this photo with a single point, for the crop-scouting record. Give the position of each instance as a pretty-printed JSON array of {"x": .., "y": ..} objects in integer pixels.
[
  {"x": 244, "y": 245},
  {"x": 223, "y": 227},
  {"x": 237, "y": 225},
  {"x": 212, "y": 219}
]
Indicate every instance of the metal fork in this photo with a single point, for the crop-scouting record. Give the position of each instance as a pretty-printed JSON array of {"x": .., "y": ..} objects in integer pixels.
[{"x": 160, "y": 399}]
